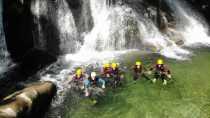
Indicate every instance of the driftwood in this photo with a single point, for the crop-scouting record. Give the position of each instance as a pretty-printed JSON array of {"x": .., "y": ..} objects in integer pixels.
[{"x": 31, "y": 102}]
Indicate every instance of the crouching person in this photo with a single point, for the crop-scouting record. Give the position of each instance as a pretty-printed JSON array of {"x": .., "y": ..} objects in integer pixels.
[
  {"x": 78, "y": 79},
  {"x": 95, "y": 86},
  {"x": 106, "y": 74},
  {"x": 116, "y": 74},
  {"x": 161, "y": 71},
  {"x": 138, "y": 71}
]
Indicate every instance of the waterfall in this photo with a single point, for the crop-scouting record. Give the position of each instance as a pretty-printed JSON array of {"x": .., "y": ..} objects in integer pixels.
[
  {"x": 3, "y": 49},
  {"x": 190, "y": 24},
  {"x": 68, "y": 32},
  {"x": 116, "y": 28},
  {"x": 119, "y": 28},
  {"x": 58, "y": 14}
]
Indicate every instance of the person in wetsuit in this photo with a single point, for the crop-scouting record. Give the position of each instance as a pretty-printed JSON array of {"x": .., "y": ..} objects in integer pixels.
[{"x": 161, "y": 71}]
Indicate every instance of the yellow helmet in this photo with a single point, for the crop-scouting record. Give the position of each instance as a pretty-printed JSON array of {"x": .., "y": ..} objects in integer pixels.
[
  {"x": 79, "y": 72},
  {"x": 114, "y": 65},
  {"x": 107, "y": 65},
  {"x": 159, "y": 61},
  {"x": 138, "y": 63}
]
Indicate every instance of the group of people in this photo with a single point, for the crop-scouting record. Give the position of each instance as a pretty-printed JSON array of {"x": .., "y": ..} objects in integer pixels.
[
  {"x": 111, "y": 75},
  {"x": 159, "y": 71}
]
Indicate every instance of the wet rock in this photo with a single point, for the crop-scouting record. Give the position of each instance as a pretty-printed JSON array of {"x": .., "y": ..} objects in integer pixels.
[
  {"x": 31, "y": 102},
  {"x": 17, "y": 22},
  {"x": 203, "y": 6},
  {"x": 21, "y": 29}
]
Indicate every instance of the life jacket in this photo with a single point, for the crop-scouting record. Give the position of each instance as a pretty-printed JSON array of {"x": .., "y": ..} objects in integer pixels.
[
  {"x": 106, "y": 71},
  {"x": 162, "y": 68},
  {"x": 93, "y": 82},
  {"x": 76, "y": 78},
  {"x": 138, "y": 70},
  {"x": 115, "y": 71}
]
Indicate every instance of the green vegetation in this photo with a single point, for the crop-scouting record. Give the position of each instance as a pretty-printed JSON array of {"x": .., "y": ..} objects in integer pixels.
[{"x": 188, "y": 96}]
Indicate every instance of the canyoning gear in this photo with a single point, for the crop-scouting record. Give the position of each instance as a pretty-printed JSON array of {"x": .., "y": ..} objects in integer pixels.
[
  {"x": 117, "y": 77},
  {"x": 162, "y": 69},
  {"x": 114, "y": 65},
  {"x": 138, "y": 63},
  {"x": 161, "y": 72},
  {"x": 78, "y": 82},
  {"x": 114, "y": 71},
  {"x": 159, "y": 61},
  {"x": 95, "y": 81},
  {"x": 106, "y": 70},
  {"x": 106, "y": 65},
  {"x": 79, "y": 72},
  {"x": 78, "y": 78},
  {"x": 138, "y": 71},
  {"x": 106, "y": 74},
  {"x": 92, "y": 83}
]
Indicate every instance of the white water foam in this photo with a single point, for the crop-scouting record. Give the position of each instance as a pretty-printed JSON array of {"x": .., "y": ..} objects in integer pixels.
[{"x": 193, "y": 28}]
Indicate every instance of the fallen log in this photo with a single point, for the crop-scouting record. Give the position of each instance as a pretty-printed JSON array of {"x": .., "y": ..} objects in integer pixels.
[{"x": 31, "y": 102}]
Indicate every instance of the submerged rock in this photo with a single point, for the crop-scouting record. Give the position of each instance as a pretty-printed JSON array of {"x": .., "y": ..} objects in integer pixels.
[{"x": 31, "y": 102}]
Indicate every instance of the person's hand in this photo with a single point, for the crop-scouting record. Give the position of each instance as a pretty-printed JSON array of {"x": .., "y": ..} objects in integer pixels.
[
  {"x": 169, "y": 76},
  {"x": 122, "y": 76},
  {"x": 154, "y": 80},
  {"x": 103, "y": 86}
]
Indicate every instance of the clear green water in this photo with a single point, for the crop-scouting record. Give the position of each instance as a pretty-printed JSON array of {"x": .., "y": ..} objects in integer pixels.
[{"x": 188, "y": 96}]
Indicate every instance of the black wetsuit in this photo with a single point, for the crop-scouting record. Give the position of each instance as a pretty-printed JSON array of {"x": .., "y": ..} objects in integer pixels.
[{"x": 137, "y": 72}]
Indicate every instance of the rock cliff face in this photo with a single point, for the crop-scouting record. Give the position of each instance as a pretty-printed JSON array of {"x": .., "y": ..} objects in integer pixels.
[
  {"x": 203, "y": 6},
  {"x": 20, "y": 30},
  {"x": 17, "y": 21}
]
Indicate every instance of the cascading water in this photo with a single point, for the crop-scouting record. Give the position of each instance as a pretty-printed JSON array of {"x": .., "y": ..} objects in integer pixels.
[
  {"x": 3, "y": 49},
  {"x": 58, "y": 14},
  {"x": 116, "y": 30},
  {"x": 190, "y": 24},
  {"x": 68, "y": 31}
]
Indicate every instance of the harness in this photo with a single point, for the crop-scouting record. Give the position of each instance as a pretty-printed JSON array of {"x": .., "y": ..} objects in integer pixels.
[{"x": 138, "y": 70}]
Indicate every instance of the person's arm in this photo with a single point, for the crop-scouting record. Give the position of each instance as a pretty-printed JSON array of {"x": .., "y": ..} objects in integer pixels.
[
  {"x": 144, "y": 69},
  {"x": 132, "y": 67},
  {"x": 74, "y": 78},
  {"x": 152, "y": 68},
  {"x": 168, "y": 72}
]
